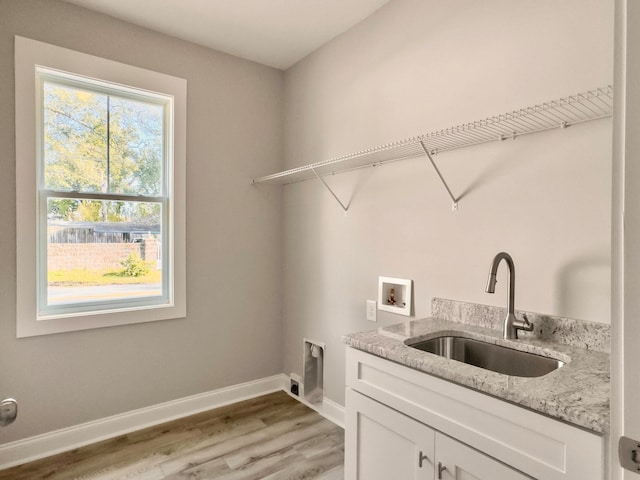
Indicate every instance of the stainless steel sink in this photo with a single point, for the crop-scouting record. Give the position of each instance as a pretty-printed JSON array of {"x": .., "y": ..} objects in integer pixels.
[{"x": 489, "y": 356}]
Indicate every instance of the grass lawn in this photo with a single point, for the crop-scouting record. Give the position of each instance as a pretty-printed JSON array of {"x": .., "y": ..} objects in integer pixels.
[{"x": 83, "y": 277}]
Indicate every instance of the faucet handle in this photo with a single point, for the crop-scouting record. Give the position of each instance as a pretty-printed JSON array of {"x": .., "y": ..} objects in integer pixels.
[{"x": 526, "y": 325}]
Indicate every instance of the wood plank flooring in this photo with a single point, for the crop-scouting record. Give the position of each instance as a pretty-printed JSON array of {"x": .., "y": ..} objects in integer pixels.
[{"x": 273, "y": 437}]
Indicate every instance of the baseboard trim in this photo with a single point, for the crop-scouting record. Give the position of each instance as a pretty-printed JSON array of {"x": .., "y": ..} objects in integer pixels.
[
  {"x": 58, "y": 441},
  {"x": 332, "y": 411}
]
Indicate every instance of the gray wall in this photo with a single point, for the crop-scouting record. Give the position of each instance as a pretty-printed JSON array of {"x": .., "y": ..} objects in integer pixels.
[
  {"x": 233, "y": 329},
  {"x": 419, "y": 65},
  {"x": 412, "y": 67}
]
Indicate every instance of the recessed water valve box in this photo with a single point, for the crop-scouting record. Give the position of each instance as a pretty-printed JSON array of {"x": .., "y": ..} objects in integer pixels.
[{"x": 395, "y": 295}]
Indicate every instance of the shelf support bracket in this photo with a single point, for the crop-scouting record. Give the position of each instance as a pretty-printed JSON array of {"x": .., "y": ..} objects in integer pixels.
[
  {"x": 330, "y": 190},
  {"x": 454, "y": 205}
]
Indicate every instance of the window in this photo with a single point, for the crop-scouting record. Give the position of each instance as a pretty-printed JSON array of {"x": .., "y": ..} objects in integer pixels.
[{"x": 100, "y": 191}]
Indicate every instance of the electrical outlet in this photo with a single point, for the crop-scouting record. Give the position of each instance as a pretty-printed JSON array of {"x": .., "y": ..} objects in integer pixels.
[
  {"x": 295, "y": 386},
  {"x": 371, "y": 310}
]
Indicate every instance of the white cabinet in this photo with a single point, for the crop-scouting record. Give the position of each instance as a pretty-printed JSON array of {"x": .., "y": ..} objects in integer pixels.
[
  {"x": 395, "y": 415},
  {"x": 383, "y": 444}
]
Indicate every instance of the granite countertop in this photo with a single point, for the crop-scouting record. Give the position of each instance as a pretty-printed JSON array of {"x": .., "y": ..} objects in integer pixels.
[{"x": 577, "y": 393}]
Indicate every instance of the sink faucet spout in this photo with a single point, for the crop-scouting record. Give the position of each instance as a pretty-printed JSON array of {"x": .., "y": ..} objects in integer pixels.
[{"x": 511, "y": 323}]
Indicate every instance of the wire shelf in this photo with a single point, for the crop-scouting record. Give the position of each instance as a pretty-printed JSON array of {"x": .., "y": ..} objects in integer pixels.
[{"x": 561, "y": 113}]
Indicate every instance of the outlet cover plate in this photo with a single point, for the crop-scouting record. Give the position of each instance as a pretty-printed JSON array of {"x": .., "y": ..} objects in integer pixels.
[{"x": 371, "y": 310}]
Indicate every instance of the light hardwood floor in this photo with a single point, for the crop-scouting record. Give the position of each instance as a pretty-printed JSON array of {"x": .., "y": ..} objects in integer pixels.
[{"x": 273, "y": 437}]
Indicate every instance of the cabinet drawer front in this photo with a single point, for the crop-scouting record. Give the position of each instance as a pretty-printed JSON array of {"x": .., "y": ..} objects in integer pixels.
[
  {"x": 533, "y": 443},
  {"x": 461, "y": 462}
]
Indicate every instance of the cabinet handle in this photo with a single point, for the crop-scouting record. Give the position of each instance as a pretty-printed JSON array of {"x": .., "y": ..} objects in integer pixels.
[
  {"x": 441, "y": 468},
  {"x": 421, "y": 458}
]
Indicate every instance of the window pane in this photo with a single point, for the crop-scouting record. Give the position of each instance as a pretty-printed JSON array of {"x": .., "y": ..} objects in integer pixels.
[
  {"x": 136, "y": 142},
  {"x": 74, "y": 139},
  {"x": 102, "y": 250}
]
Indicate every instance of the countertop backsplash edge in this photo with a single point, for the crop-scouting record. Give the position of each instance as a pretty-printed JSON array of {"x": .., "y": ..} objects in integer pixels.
[{"x": 578, "y": 333}]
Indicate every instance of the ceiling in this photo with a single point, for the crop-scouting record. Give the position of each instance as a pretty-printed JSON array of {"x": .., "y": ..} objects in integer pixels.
[{"x": 277, "y": 33}]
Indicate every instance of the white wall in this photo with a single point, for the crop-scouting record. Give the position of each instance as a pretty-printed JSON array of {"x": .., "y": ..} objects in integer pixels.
[
  {"x": 232, "y": 332},
  {"x": 625, "y": 391},
  {"x": 421, "y": 65}
]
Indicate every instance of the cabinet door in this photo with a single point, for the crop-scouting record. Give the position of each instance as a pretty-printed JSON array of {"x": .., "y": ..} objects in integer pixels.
[
  {"x": 457, "y": 461},
  {"x": 382, "y": 444}
]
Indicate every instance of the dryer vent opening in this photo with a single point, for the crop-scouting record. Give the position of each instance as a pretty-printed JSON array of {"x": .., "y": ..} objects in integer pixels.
[{"x": 313, "y": 371}]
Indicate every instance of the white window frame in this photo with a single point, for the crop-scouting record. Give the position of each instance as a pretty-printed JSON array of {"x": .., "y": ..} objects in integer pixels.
[{"x": 30, "y": 56}]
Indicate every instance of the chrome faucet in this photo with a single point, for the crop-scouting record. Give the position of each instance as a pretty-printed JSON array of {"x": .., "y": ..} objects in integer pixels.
[{"x": 511, "y": 322}]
